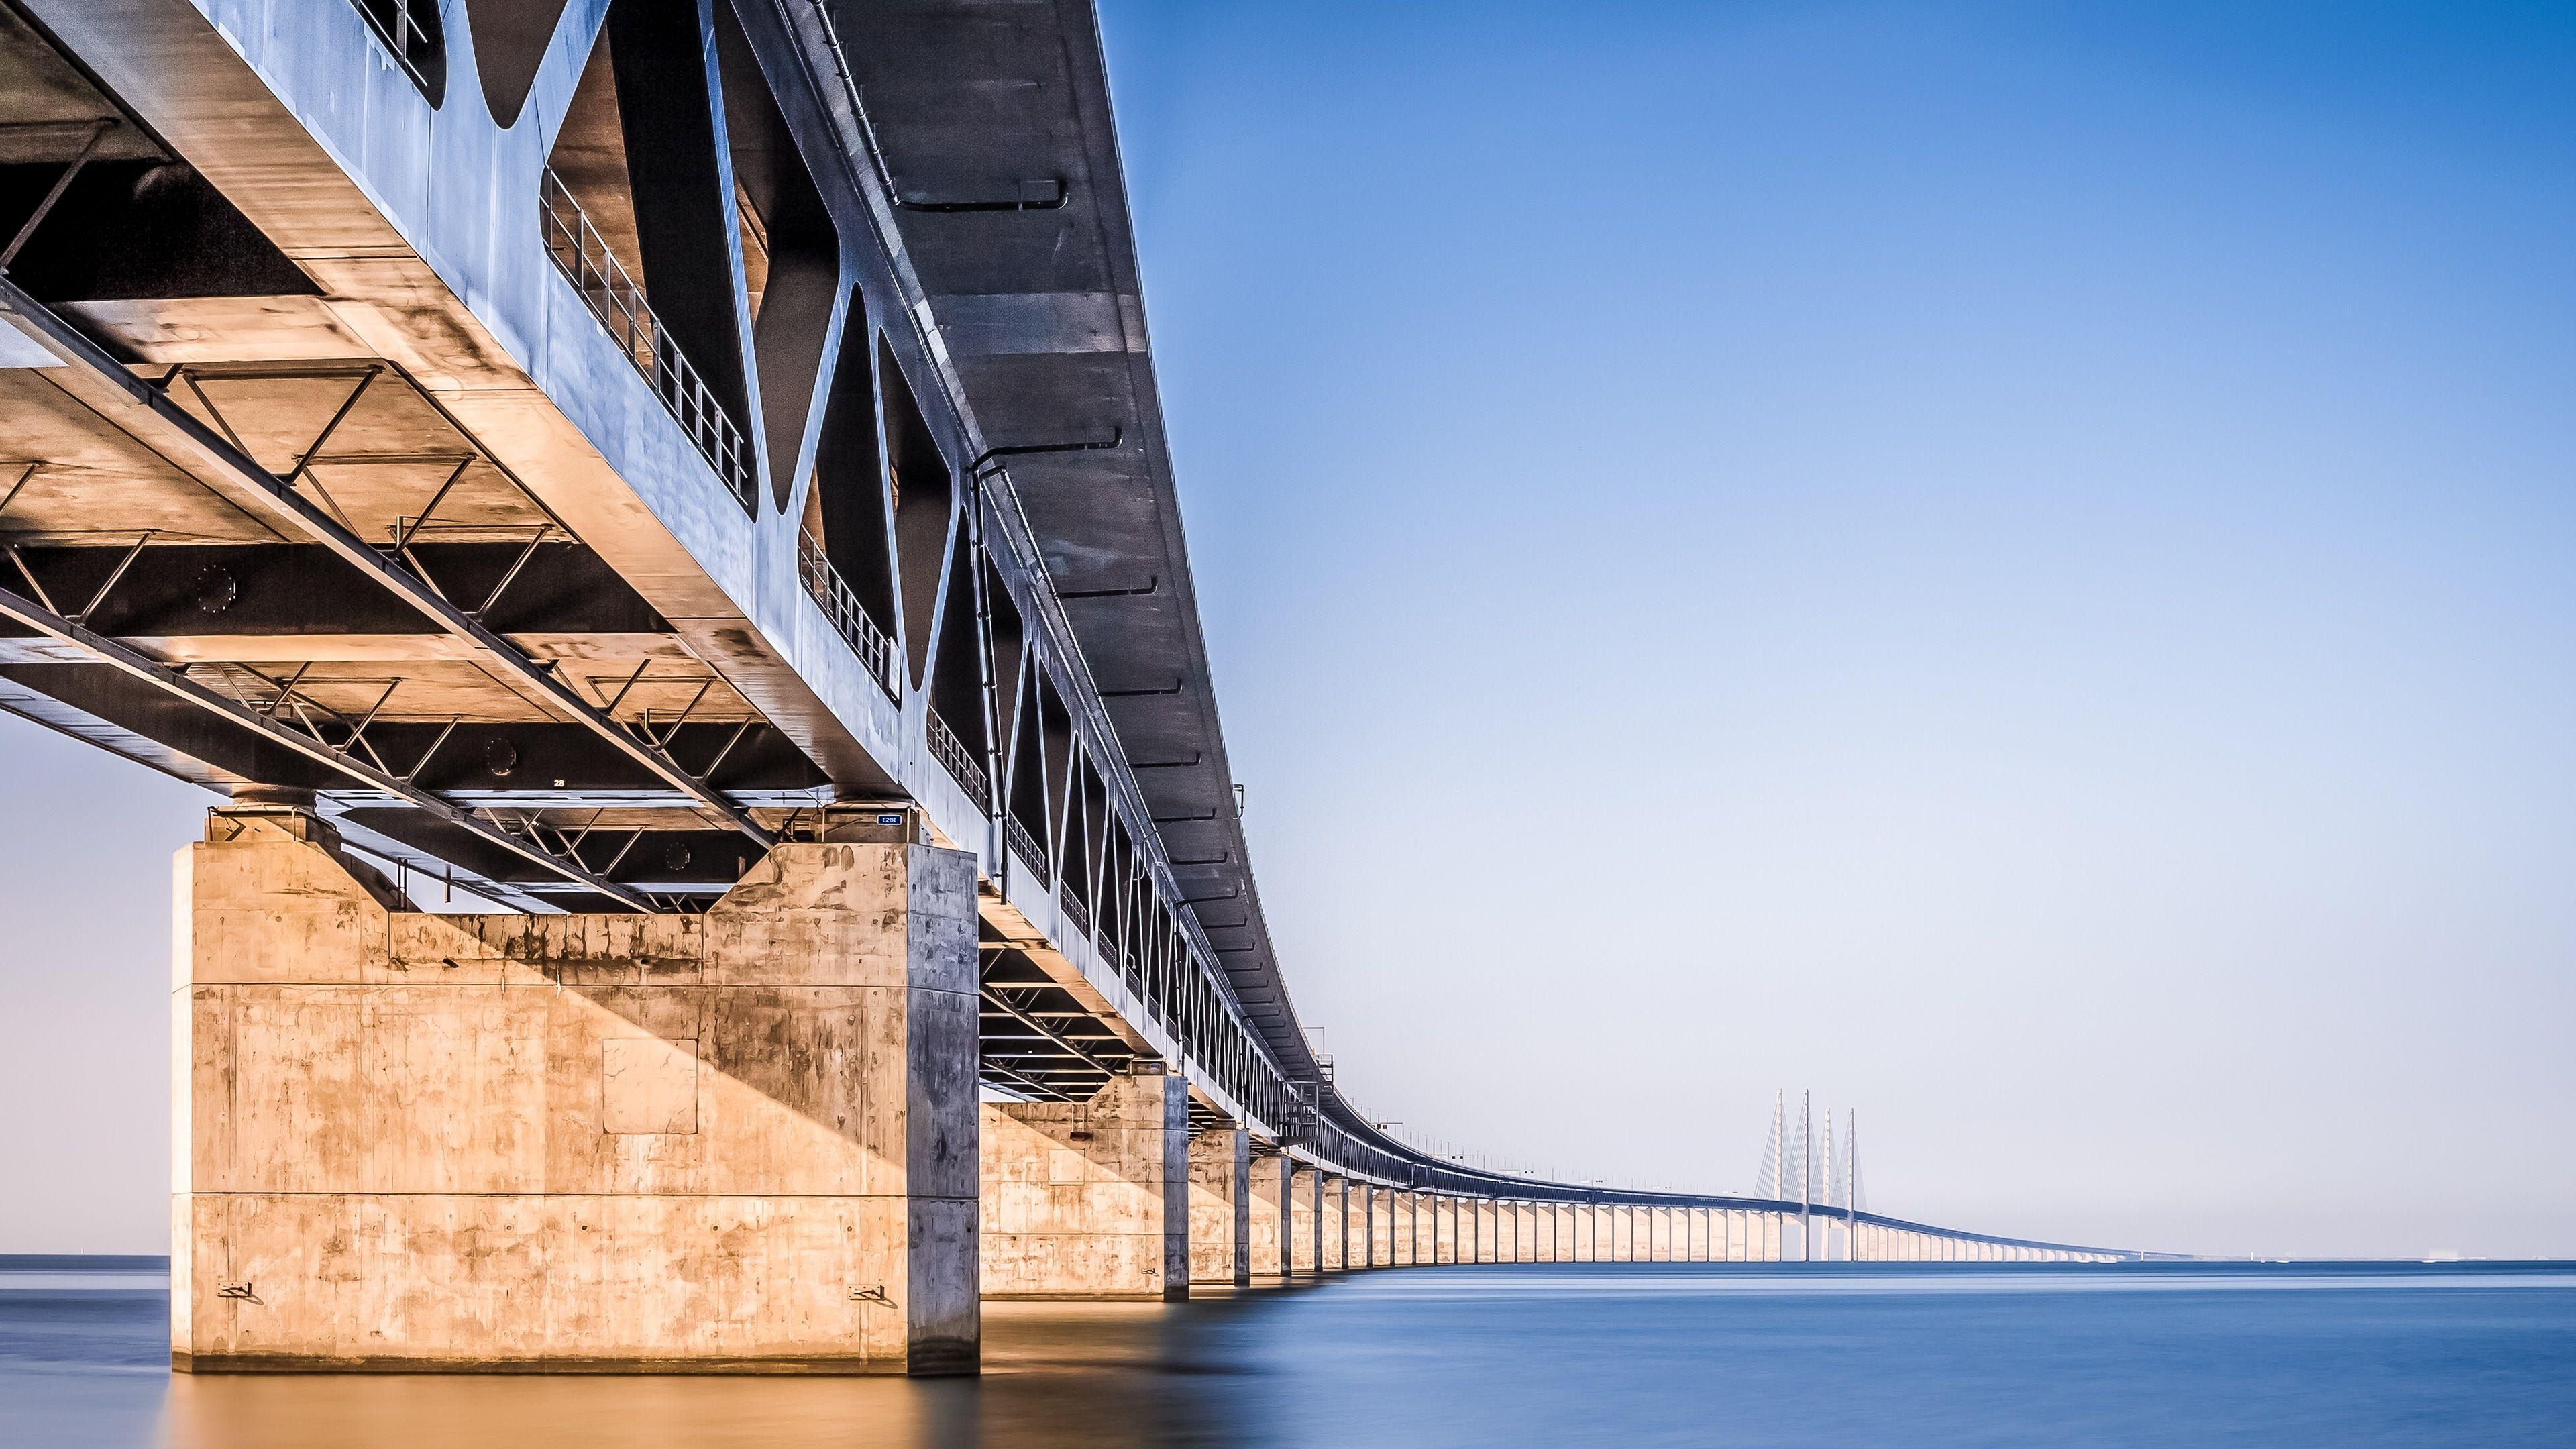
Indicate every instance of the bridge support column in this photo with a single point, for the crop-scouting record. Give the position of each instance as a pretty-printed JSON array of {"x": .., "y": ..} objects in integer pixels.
[
  {"x": 737, "y": 1142},
  {"x": 1270, "y": 1235},
  {"x": 1090, "y": 1199},
  {"x": 1381, "y": 1227},
  {"x": 1337, "y": 1223},
  {"x": 1221, "y": 1206},
  {"x": 1305, "y": 1220},
  {"x": 1444, "y": 1229},
  {"x": 1487, "y": 1226},
  {"x": 1623, "y": 1234}
]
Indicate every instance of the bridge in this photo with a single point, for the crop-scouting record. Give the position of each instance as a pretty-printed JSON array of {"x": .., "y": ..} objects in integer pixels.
[{"x": 655, "y": 517}]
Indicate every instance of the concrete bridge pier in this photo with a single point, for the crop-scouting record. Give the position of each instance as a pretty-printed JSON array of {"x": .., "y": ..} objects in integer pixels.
[
  {"x": 1444, "y": 1229},
  {"x": 1306, "y": 1221},
  {"x": 1337, "y": 1223},
  {"x": 1270, "y": 1235},
  {"x": 1090, "y": 1199},
  {"x": 1488, "y": 1226},
  {"x": 1381, "y": 1227},
  {"x": 737, "y": 1142},
  {"x": 1221, "y": 1207}
]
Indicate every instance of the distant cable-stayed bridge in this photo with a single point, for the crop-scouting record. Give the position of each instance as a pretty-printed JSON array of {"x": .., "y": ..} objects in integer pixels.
[{"x": 689, "y": 476}]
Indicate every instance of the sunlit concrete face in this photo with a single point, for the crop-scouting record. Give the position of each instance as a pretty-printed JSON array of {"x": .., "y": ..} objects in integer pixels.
[
  {"x": 742, "y": 1141},
  {"x": 1269, "y": 1230},
  {"x": 1221, "y": 1206},
  {"x": 1089, "y": 1199}
]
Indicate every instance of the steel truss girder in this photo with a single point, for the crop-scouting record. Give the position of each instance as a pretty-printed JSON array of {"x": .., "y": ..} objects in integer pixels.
[
  {"x": 131, "y": 661},
  {"x": 178, "y": 427}
]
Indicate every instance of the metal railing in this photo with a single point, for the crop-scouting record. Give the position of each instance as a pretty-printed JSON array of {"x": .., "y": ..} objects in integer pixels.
[
  {"x": 952, "y": 754},
  {"x": 1075, "y": 913},
  {"x": 873, "y": 646},
  {"x": 619, "y": 304},
  {"x": 397, "y": 24},
  {"x": 1024, "y": 845}
]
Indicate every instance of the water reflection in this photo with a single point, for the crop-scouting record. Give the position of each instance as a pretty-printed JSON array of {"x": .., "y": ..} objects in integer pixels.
[
  {"x": 1626, "y": 1355},
  {"x": 1069, "y": 1376}
]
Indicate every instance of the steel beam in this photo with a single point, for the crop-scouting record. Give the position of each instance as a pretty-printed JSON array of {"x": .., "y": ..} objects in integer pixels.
[
  {"x": 157, "y": 422},
  {"x": 135, "y": 663}
]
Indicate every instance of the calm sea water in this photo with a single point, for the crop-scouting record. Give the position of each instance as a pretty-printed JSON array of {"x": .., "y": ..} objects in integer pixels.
[{"x": 1629, "y": 1355}]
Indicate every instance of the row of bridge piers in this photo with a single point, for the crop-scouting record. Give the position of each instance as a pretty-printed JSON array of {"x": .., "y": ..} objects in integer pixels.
[{"x": 748, "y": 1140}]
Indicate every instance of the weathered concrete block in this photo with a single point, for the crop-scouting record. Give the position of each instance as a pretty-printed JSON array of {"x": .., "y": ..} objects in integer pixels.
[
  {"x": 1089, "y": 1199},
  {"x": 1221, "y": 1206},
  {"x": 741, "y": 1143},
  {"x": 1305, "y": 1220},
  {"x": 1269, "y": 1235}
]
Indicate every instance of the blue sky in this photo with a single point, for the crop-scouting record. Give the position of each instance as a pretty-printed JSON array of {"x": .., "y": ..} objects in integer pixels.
[{"x": 2009, "y": 563}]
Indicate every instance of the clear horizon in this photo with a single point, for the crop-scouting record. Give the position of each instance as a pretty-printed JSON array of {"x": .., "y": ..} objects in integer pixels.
[{"x": 2005, "y": 565}]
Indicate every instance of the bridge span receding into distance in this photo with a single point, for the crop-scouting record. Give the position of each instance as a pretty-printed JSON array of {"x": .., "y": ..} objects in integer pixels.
[{"x": 688, "y": 474}]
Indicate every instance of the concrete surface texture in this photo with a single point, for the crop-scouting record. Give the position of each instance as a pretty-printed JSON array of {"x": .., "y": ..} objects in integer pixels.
[
  {"x": 739, "y": 1141},
  {"x": 1089, "y": 1199},
  {"x": 1221, "y": 1206},
  {"x": 1305, "y": 1220},
  {"x": 1269, "y": 1231}
]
